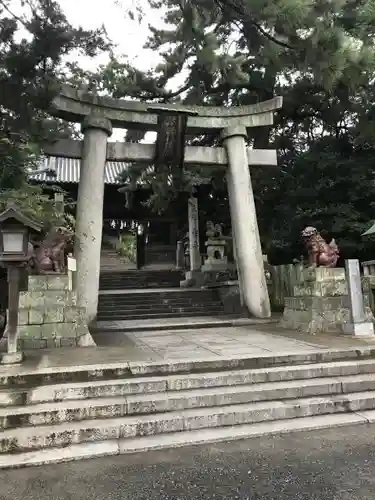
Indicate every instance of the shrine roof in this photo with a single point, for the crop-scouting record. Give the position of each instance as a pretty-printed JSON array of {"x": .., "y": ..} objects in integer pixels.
[{"x": 67, "y": 170}]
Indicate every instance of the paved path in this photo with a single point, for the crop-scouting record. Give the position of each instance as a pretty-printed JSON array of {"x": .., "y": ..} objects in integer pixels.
[
  {"x": 228, "y": 342},
  {"x": 208, "y": 343},
  {"x": 334, "y": 464},
  {"x": 205, "y": 342}
]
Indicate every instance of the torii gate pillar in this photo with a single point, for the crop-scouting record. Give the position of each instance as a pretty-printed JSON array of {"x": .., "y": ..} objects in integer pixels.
[
  {"x": 248, "y": 249},
  {"x": 89, "y": 224}
]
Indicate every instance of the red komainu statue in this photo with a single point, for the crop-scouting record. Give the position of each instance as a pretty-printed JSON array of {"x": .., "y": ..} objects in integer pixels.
[
  {"x": 50, "y": 255},
  {"x": 320, "y": 253}
]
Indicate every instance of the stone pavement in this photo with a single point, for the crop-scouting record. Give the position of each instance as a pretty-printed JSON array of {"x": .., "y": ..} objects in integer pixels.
[
  {"x": 204, "y": 342},
  {"x": 195, "y": 343},
  {"x": 333, "y": 464},
  {"x": 227, "y": 342}
]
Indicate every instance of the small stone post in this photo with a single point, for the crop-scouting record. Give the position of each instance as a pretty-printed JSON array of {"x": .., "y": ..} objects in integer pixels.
[
  {"x": 194, "y": 250},
  {"x": 359, "y": 324},
  {"x": 180, "y": 257}
]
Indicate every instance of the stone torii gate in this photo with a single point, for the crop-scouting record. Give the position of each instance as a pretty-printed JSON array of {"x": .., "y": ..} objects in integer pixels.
[{"x": 98, "y": 115}]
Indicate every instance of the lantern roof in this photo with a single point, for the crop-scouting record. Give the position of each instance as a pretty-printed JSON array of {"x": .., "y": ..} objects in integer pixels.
[{"x": 12, "y": 212}]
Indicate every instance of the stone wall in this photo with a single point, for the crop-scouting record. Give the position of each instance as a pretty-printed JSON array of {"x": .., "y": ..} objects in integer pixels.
[{"x": 48, "y": 314}]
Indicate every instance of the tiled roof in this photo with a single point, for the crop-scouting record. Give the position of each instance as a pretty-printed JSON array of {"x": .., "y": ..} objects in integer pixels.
[{"x": 67, "y": 170}]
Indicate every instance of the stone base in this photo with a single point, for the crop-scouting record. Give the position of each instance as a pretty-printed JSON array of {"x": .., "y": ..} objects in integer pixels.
[
  {"x": 11, "y": 358},
  {"x": 315, "y": 315},
  {"x": 364, "y": 329},
  {"x": 230, "y": 296},
  {"x": 192, "y": 278},
  {"x": 49, "y": 316},
  {"x": 214, "y": 265}
]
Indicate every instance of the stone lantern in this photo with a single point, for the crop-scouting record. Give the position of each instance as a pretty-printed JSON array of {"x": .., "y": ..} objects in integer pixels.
[{"x": 15, "y": 230}]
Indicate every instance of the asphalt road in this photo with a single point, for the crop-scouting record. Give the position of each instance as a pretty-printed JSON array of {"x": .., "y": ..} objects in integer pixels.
[{"x": 327, "y": 465}]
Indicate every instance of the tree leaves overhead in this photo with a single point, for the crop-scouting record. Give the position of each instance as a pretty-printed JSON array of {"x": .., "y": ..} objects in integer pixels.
[
  {"x": 33, "y": 51},
  {"x": 320, "y": 57}
]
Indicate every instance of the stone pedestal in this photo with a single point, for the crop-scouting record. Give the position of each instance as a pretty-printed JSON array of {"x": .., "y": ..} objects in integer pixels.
[
  {"x": 320, "y": 303},
  {"x": 49, "y": 315},
  {"x": 216, "y": 259}
]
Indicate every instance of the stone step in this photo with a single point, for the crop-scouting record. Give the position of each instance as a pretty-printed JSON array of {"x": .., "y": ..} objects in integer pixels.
[
  {"x": 156, "y": 296},
  {"x": 147, "y": 272},
  {"x": 143, "y": 280},
  {"x": 176, "y": 314},
  {"x": 160, "y": 308},
  {"x": 88, "y": 431},
  {"x": 330, "y": 362},
  {"x": 362, "y": 371},
  {"x": 158, "y": 312},
  {"x": 115, "y": 305},
  {"x": 144, "y": 276},
  {"x": 139, "y": 279},
  {"x": 154, "y": 299},
  {"x": 78, "y": 410},
  {"x": 183, "y": 438},
  {"x": 137, "y": 286}
]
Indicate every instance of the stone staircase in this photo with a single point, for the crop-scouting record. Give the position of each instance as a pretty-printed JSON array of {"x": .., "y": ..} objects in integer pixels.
[
  {"x": 139, "y": 279},
  {"x": 55, "y": 415},
  {"x": 159, "y": 304},
  {"x": 111, "y": 261}
]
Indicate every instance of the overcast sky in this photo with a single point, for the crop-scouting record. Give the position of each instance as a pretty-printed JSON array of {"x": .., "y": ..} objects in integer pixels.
[{"x": 128, "y": 35}]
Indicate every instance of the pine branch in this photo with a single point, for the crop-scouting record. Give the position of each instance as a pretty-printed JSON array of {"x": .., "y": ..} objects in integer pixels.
[
  {"x": 17, "y": 18},
  {"x": 238, "y": 9}
]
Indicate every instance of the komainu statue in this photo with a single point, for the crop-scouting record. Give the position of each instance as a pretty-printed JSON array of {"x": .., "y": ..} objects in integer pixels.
[
  {"x": 320, "y": 253},
  {"x": 49, "y": 257},
  {"x": 213, "y": 230}
]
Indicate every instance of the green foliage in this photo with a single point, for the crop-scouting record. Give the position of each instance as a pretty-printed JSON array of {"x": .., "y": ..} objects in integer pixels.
[
  {"x": 33, "y": 48},
  {"x": 320, "y": 57},
  {"x": 164, "y": 185},
  {"x": 34, "y": 203},
  {"x": 330, "y": 186},
  {"x": 128, "y": 247}
]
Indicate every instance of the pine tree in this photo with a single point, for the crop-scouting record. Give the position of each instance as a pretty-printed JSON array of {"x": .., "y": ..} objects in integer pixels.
[
  {"x": 33, "y": 48},
  {"x": 318, "y": 55}
]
